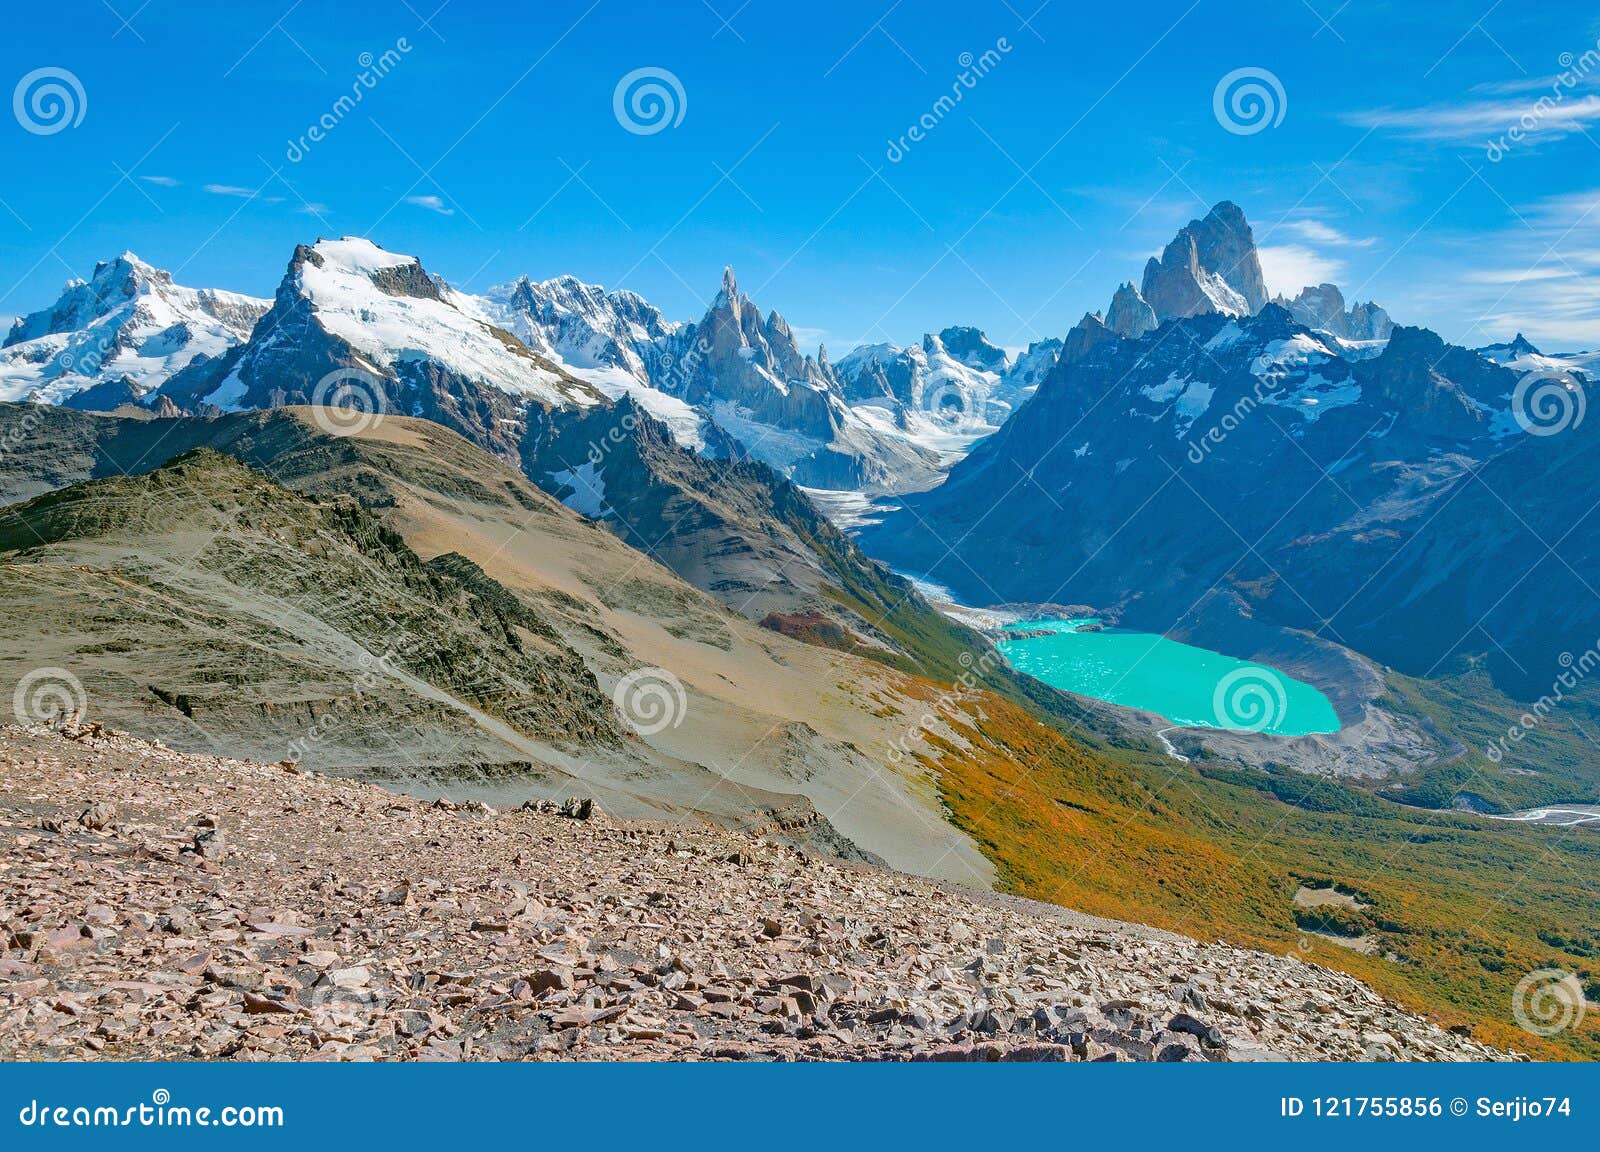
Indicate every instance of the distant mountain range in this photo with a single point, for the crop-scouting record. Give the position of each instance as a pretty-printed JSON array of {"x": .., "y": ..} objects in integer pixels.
[
  {"x": 734, "y": 383},
  {"x": 1210, "y": 463},
  {"x": 1127, "y": 464},
  {"x": 116, "y": 337},
  {"x": 417, "y": 536}
]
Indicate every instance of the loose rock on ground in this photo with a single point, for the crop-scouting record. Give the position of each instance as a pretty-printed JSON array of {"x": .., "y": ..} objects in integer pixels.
[{"x": 162, "y": 905}]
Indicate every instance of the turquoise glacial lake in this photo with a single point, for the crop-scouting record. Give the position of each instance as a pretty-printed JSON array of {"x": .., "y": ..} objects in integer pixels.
[{"x": 1191, "y": 687}]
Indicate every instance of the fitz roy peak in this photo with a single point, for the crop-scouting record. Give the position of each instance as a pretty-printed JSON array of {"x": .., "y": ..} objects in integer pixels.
[{"x": 1211, "y": 265}]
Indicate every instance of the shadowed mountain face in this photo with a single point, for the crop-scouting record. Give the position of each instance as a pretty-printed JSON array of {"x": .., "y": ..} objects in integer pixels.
[
  {"x": 742, "y": 533},
  {"x": 1220, "y": 469}
]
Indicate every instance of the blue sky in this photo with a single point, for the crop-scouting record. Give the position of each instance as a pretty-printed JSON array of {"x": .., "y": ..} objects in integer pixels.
[{"x": 491, "y": 147}]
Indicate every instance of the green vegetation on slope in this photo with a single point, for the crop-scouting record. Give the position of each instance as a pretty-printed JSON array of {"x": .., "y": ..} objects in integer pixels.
[
  {"x": 1546, "y": 750},
  {"x": 1458, "y": 911},
  {"x": 235, "y": 599}
]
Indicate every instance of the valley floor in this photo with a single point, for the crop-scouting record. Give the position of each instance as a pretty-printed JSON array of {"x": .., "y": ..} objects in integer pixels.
[{"x": 162, "y": 905}]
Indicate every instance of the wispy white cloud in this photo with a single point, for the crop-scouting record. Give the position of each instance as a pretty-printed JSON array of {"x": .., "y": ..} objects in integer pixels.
[
  {"x": 1570, "y": 211},
  {"x": 230, "y": 190},
  {"x": 1537, "y": 277},
  {"x": 1537, "y": 85},
  {"x": 1558, "y": 320},
  {"x": 163, "y": 181},
  {"x": 1316, "y": 232},
  {"x": 432, "y": 204},
  {"x": 1482, "y": 121},
  {"x": 1516, "y": 275},
  {"x": 1291, "y": 267},
  {"x": 313, "y": 208},
  {"x": 815, "y": 338}
]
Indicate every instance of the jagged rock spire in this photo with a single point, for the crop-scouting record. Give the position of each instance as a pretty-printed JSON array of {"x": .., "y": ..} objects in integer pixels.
[
  {"x": 1130, "y": 315},
  {"x": 1210, "y": 266}
]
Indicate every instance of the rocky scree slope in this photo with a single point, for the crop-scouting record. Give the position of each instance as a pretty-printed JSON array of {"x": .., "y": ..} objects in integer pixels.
[{"x": 156, "y": 905}]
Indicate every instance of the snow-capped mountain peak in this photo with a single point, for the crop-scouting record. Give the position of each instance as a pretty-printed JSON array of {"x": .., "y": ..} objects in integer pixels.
[
  {"x": 349, "y": 305},
  {"x": 358, "y": 254},
  {"x": 947, "y": 391},
  {"x": 729, "y": 293},
  {"x": 112, "y": 338},
  {"x": 969, "y": 346},
  {"x": 582, "y": 325}
]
